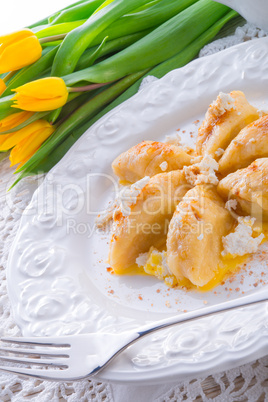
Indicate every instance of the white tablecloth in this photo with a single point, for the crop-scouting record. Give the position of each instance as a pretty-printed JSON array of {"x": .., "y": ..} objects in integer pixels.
[{"x": 245, "y": 383}]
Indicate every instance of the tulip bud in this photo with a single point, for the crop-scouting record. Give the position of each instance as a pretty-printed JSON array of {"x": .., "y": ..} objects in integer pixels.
[
  {"x": 13, "y": 121},
  {"x": 38, "y": 132},
  {"x": 41, "y": 95},
  {"x": 26, "y": 141},
  {"x": 18, "y": 49}
]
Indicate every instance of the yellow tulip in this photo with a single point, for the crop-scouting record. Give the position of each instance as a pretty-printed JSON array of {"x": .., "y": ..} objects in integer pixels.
[
  {"x": 13, "y": 121},
  {"x": 18, "y": 49},
  {"x": 2, "y": 86},
  {"x": 27, "y": 147},
  {"x": 20, "y": 164},
  {"x": 26, "y": 141},
  {"x": 41, "y": 95}
]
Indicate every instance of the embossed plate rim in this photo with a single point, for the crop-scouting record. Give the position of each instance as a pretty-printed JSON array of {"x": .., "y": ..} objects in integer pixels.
[{"x": 174, "y": 81}]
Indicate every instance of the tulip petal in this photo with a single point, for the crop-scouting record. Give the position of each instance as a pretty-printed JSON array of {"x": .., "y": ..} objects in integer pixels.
[
  {"x": 41, "y": 95},
  {"x": 8, "y": 141},
  {"x": 14, "y": 120},
  {"x": 45, "y": 88},
  {"x": 29, "y": 145},
  {"x": 20, "y": 54},
  {"x": 2, "y": 86},
  {"x": 19, "y": 166},
  {"x": 40, "y": 105},
  {"x": 15, "y": 36}
]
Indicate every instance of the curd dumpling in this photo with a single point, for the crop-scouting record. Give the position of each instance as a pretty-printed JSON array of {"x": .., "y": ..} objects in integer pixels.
[
  {"x": 194, "y": 240},
  {"x": 148, "y": 159},
  {"x": 251, "y": 143},
  {"x": 249, "y": 187},
  {"x": 223, "y": 121},
  {"x": 147, "y": 222}
]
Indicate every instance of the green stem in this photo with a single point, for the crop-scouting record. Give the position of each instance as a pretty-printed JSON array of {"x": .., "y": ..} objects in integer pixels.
[
  {"x": 9, "y": 76},
  {"x": 80, "y": 38},
  {"x": 71, "y": 106},
  {"x": 159, "y": 71},
  {"x": 45, "y": 20},
  {"x": 150, "y": 18},
  {"x": 111, "y": 46},
  {"x": 78, "y": 12},
  {"x": 33, "y": 71},
  {"x": 95, "y": 54},
  {"x": 83, "y": 113},
  {"x": 86, "y": 87},
  {"x": 58, "y": 29},
  {"x": 5, "y": 107},
  {"x": 35, "y": 116},
  {"x": 161, "y": 44},
  {"x": 52, "y": 38}
]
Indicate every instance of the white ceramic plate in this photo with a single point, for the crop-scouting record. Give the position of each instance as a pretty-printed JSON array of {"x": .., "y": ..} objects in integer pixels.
[{"x": 57, "y": 277}]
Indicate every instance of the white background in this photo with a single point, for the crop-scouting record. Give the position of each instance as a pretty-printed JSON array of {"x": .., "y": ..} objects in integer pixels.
[{"x": 16, "y": 14}]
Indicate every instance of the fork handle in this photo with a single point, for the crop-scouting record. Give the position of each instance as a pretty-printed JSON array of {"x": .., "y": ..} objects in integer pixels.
[
  {"x": 130, "y": 337},
  {"x": 256, "y": 297}
]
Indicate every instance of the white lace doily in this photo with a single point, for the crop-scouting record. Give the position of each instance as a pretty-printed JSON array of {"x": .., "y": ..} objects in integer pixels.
[
  {"x": 246, "y": 383},
  {"x": 242, "y": 34}
]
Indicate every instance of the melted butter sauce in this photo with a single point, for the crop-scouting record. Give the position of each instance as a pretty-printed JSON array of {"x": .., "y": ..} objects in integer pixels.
[
  {"x": 133, "y": 270},
  {"x": 227, "y": 267}
]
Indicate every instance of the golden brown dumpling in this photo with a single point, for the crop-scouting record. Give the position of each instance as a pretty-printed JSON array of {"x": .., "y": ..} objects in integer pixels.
[
  {"x": 251, "y": 143},
  {"x": 148, "y": 159},
  {"x": 194, "y": 241},
  {"x": 223, "y": 121},
  {"x": 249, "y": 187},
  {"x": 146, "y": 222}
]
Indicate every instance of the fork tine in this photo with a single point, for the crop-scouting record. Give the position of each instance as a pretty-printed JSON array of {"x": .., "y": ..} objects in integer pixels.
[
  {"x": 39, "y": 341},
  {"x": 25, "y": 360},
  {"x": 39, "y": 352},
  {"x": 52, "y": 375}
]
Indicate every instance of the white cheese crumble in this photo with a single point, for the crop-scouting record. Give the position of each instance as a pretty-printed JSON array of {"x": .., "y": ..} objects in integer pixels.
[
  {"x": 173, "y": 139},
  {"x": 126, "y": 198},
  {"x": 241, "y": 241},
  {"x": 104, "y": 218},
  {"x": 129, "y": 194},
  {"x": 140, "y": 184},
  {"x": 231, "y": 205},
  {"x": 164, "y": 166},
  {"x": 219, "y": 152},
  {"x": 163, "y": 269},
  {"x": 142, "y": 259},
  {"x": 154, "y": 263},
  {"x": 170, "y": 281},
  {"x": 202, "y": 172},
  {"x": 222, "y": 104}
]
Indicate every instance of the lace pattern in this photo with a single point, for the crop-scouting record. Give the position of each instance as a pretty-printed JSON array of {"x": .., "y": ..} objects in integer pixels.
[
  {"x": 248, "y": 382},
  {"x": 242, "y": 34}
]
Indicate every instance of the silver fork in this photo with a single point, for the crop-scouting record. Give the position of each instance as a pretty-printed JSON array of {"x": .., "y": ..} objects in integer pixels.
[{"x": 73, "y": 357}]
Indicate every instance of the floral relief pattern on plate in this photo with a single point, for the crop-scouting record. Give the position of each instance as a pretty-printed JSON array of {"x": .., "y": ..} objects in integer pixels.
[{"x": 57, "y": 271}]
